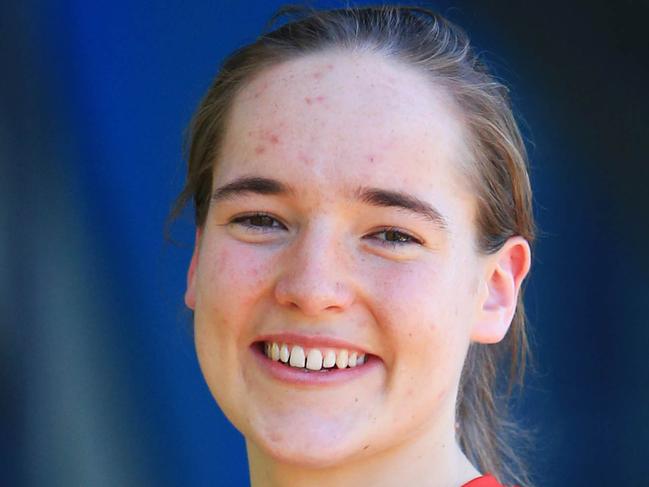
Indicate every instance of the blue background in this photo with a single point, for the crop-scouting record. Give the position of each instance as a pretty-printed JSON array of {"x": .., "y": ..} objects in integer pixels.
[{"x": 99, "y": 384}]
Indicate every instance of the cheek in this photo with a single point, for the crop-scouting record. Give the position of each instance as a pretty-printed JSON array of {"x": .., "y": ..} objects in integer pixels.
[
  {"x": 408, "y": 295},
  {"x": 231, "y": 275},
  {"x": 424, "y": 309}
]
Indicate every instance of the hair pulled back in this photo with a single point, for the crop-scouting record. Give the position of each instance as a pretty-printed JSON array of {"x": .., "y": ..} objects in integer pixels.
[{"x": 438, "y": 48}]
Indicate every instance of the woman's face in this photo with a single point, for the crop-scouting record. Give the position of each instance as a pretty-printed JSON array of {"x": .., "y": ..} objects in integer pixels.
[{"x": 340, "y": 220}]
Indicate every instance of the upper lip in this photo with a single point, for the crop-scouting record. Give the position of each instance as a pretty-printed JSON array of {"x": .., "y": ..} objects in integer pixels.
[{"x": 310, "y": 341}]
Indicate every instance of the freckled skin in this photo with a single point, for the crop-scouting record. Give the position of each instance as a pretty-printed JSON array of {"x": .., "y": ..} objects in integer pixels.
[
  {"x": 318, "y": 99},
  {"x": 306, "y": 159},
  {"x": 326, "y": 272},
  {"x": 260, "y": 91}
]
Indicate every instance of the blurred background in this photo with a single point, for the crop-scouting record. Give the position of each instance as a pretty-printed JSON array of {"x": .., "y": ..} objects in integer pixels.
[{"x": 99, "y": 383}]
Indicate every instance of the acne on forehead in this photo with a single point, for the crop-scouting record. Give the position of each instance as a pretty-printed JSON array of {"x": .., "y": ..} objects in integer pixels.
[
  {"x": 288, "y": 107},
  {"x": 385, "y": 77},
  {"x": 335, "y": 69}
]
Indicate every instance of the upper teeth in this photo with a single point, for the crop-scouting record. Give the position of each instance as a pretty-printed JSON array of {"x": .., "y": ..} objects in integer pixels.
[{"x": 314, "y": 358}]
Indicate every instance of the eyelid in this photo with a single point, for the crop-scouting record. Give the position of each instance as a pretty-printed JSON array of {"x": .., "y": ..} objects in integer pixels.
[
  {"x": 413, "y": 239},
  {"x": 239, "y": 220}
]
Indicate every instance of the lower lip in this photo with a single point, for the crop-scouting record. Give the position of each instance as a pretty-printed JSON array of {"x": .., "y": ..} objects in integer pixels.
[{"x": 292, "y": 375}]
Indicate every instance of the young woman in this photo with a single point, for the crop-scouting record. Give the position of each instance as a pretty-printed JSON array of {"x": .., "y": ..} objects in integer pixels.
[{"x": 363, "y": 216}]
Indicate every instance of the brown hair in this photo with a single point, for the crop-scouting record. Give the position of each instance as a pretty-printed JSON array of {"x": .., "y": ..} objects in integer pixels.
[{"x": 440, "y": 49}]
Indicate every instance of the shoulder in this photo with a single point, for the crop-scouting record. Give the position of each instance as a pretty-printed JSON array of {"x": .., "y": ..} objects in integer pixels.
[{"x": 484, "y": 481}]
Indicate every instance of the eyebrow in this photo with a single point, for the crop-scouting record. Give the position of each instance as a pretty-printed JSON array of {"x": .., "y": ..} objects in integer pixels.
[
  {"x": 368, "y": 195},
  {"x": 402, "y": 200},
  {"x": 250, "y": 184}
]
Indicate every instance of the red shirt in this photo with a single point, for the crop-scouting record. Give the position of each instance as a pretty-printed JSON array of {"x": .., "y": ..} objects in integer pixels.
[{"x": 484, "y": 481}]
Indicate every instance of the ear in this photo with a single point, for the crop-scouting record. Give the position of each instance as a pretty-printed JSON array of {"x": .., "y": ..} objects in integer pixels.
[
  {"x": 190, "y": 293},
  {"x": 505, "y": 272}
]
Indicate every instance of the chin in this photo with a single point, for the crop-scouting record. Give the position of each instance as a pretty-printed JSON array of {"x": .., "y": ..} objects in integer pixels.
[
  {"x": 308, "y": 456},
  {"x": 316, "y": 447}
]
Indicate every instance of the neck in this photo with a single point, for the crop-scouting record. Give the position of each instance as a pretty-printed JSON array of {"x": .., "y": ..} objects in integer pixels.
[{"x": 429, "y": 460}]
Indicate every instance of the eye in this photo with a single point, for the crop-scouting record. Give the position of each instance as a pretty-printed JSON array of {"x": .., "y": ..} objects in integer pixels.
[
  {"x": 258, "y": 222},
  {"x": 393, "y": 237}
]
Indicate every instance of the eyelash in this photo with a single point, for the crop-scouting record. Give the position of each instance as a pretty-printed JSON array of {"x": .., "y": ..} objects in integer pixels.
[
  {"x": 256, "y": 228},
  {"x": 403, "y": 237}
]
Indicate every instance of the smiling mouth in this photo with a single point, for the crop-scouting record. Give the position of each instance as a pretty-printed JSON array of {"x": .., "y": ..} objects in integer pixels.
[{"x": 320, "y": 360}]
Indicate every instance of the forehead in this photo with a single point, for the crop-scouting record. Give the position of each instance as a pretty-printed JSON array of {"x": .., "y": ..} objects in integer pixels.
[{"x": 348, "y": 118}]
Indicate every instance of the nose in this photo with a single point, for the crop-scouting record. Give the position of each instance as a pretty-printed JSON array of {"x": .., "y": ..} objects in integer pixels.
[{"x": 315, "y": 278}]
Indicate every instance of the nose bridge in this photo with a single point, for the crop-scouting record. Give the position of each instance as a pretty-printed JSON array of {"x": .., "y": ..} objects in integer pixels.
[{"x": 316, "y": 277}]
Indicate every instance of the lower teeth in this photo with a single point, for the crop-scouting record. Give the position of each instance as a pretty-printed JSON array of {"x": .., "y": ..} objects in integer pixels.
[{"x": 304, "y": 369}]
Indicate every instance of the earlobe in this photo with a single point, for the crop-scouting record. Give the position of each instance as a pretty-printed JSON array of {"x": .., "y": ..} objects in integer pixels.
[
  {"x": 190, "y": 293},
  {"x": 505, "y": 273}
]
